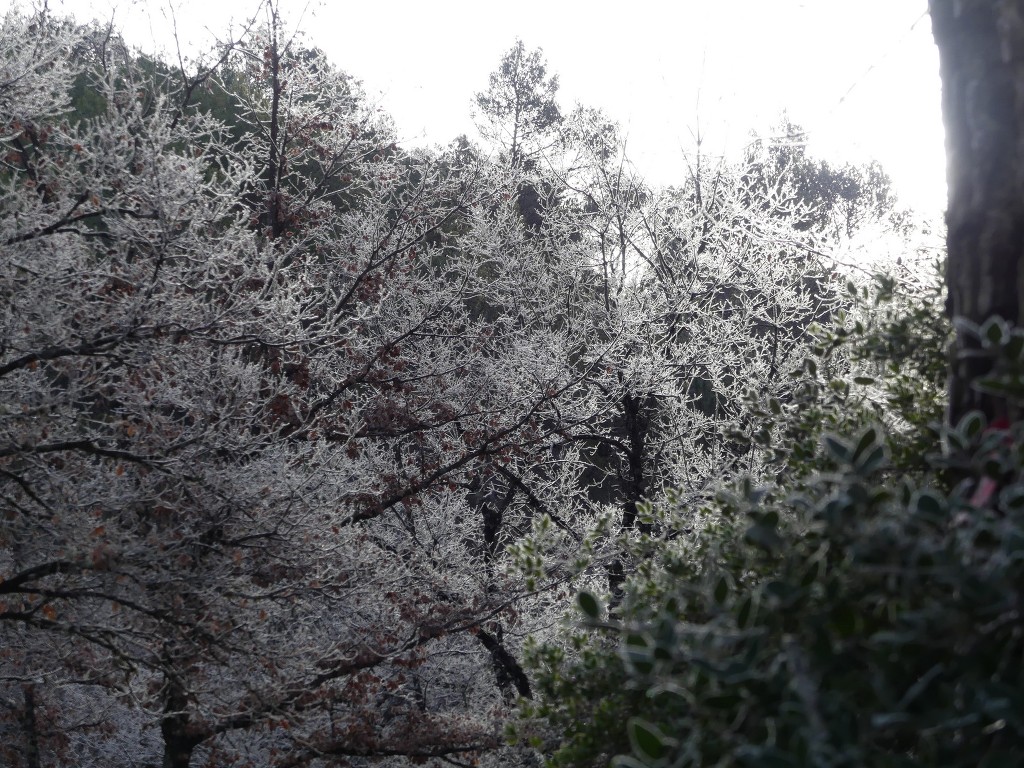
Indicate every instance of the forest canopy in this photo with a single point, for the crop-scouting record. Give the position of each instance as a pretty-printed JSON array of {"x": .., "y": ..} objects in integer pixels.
[{"x": 308, "y": 440}]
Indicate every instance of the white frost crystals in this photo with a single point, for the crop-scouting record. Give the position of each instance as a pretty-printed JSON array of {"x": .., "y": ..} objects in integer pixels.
[
  {"x": 246, "y": 384},
  {"x": 276, "y": 397}
]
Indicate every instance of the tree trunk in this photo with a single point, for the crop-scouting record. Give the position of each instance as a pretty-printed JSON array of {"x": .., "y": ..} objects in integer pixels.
[
  {"x": 32, "y": 753},
  {"x": 178, "y": 742},
  {"x": 981, "y": 53},
  {"x": 635, "y": 425},
  {"x": 507, "y": 670}
]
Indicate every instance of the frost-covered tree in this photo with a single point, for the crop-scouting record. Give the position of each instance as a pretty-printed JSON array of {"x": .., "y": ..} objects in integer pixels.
[
  {"x": 277, "y": 396},
  {"x": 519, "y": 111},
  {"x": 711, "y": 288},
  {"x": 249, "y": 390}
]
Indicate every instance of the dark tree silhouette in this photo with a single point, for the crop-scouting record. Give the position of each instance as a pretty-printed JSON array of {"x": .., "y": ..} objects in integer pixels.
[{"x": 981, "y": 54}]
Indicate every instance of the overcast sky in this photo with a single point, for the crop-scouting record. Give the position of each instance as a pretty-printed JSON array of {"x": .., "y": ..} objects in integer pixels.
[{"x": 861, "y": 77}]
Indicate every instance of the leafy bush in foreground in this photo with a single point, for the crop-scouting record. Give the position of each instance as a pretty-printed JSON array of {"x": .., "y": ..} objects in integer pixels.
[{"x": 867, "y": 614}]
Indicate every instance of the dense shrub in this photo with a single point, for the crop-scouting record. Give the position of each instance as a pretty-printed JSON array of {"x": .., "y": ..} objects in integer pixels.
[{"x": 868, "y": 612}]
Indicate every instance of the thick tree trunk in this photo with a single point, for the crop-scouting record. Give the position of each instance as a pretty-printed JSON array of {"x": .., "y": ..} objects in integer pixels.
[
  {"x": 178, "y": 742},
  {"x": 981, "y": 52}
]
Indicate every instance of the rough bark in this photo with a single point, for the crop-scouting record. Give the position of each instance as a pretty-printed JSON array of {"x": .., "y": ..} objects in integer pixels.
[{"x": 981, "y": 53}]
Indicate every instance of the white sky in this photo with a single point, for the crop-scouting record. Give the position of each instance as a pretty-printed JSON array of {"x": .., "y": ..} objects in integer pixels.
[{"x": 861, "y": 77}]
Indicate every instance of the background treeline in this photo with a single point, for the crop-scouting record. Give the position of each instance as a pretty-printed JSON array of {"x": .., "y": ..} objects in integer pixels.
[{"x": 303, "y": 433}]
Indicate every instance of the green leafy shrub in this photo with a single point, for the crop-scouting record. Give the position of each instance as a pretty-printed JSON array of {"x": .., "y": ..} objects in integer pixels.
[
  {"x": 874, "y": 621},
  {"x": 884, "y": 361},
  {"x": 868, "y": 611}
]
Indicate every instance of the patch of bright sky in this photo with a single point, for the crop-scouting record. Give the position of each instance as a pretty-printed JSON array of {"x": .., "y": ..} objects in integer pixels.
[{"x": 861, "y": 78}]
